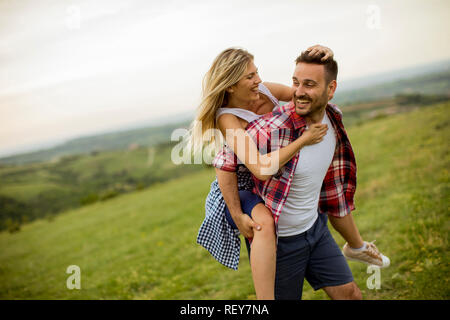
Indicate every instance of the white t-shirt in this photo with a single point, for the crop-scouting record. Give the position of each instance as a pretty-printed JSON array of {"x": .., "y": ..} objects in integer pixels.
[{"x": 300, "y": 210}]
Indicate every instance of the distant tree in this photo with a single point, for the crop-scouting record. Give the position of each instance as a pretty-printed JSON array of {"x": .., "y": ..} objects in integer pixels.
[
  {"x": 90, "y": 198},
  {"x": 419, "y": 99},
  {"x": 408, "y": 98},
  {"x": 12, "y": 225}
]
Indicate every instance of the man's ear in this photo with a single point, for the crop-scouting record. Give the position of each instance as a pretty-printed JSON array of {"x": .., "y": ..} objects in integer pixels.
[{"x": 331, "y": 89}]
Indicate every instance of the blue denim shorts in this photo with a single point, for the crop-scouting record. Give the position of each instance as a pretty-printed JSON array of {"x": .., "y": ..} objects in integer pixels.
[
  {"x": 313, "y": 255},
  {"x": 248, "y": 201}
]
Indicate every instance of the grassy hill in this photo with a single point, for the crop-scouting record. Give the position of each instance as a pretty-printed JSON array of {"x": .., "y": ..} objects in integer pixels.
[
  {"x": 117, "y": 140},
  {"x": 37, "y": 190},
  {"x": 436, "y": 83},
  {"x": 141, "y": 245}
]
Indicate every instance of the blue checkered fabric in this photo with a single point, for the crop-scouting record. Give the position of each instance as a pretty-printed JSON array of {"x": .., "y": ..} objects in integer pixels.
[{"x": 216, "y": 235}]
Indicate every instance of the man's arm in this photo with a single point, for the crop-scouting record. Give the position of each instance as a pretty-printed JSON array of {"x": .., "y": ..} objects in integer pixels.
[{"x": 229, "y": 188}]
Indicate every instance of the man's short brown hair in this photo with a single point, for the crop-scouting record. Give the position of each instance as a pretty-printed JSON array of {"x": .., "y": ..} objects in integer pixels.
[{"x": 330, "y": 65}]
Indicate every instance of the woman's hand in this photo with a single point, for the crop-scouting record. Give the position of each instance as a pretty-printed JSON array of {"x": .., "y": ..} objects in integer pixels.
[
  {"x": 319, "y": 50},
  {"x": 314, "y": 134}
]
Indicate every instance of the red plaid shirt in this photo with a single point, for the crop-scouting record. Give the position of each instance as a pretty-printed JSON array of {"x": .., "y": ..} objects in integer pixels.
[{"x": 280, "y": 128}]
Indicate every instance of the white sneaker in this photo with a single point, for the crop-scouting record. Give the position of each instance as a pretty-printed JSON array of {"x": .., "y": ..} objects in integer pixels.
[{"x": 369, "y": 255}]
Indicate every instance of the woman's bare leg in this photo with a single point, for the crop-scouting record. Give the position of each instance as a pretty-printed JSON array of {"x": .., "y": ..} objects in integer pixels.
[{"x": 263, "y": 253}]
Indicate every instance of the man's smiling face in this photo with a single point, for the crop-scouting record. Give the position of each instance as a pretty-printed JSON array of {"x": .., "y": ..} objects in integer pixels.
[{"x": 312, "y": 92}]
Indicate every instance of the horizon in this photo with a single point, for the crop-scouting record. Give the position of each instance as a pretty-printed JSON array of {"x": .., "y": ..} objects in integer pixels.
[
  {"x": 65, "y": 66},
  {"x": 349, "y": 85}
]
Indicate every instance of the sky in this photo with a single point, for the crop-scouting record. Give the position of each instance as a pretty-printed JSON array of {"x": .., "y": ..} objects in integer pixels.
[{"x": 72, "y": 68}]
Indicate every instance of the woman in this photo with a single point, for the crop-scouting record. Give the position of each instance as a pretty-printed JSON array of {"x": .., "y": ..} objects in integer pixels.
[{"x": 233, "y": 96}]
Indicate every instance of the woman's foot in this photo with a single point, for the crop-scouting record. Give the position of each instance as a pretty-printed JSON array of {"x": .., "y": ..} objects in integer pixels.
[{"x": 368, "y": 254}]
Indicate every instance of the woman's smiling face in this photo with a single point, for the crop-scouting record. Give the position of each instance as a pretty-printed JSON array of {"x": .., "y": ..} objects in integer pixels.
[{"x": 247, "y": 88}]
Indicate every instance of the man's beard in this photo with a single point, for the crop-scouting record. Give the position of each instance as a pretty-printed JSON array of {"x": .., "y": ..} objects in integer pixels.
[{"x": 315, "y": 105}]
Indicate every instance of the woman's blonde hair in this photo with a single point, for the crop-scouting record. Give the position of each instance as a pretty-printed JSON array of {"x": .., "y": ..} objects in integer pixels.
[{"x": 227, "y": 69}]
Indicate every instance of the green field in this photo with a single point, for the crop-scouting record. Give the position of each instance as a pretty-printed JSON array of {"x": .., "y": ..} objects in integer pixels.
[
  {"x": 141, "y": 245},
  {"x": 43, "y": 190}
]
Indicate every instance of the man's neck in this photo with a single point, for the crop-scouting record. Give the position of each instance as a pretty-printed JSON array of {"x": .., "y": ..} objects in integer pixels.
[{"x": 316, "y": 117}]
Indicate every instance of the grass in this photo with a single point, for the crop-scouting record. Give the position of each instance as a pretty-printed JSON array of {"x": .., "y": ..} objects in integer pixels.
[
  {"x": 37, "y": 190},
  {"x": 141, "y": 245}
]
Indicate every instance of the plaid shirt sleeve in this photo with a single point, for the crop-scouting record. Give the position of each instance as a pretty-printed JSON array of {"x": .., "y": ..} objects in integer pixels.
[
  {"x": 339, "y": 186},
  {"x": 269, "y": 133},
  {"x": 225, "y": 160}
]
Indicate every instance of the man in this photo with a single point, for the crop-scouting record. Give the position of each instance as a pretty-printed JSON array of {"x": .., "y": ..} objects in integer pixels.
[{"x": 326, "y": 171}]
